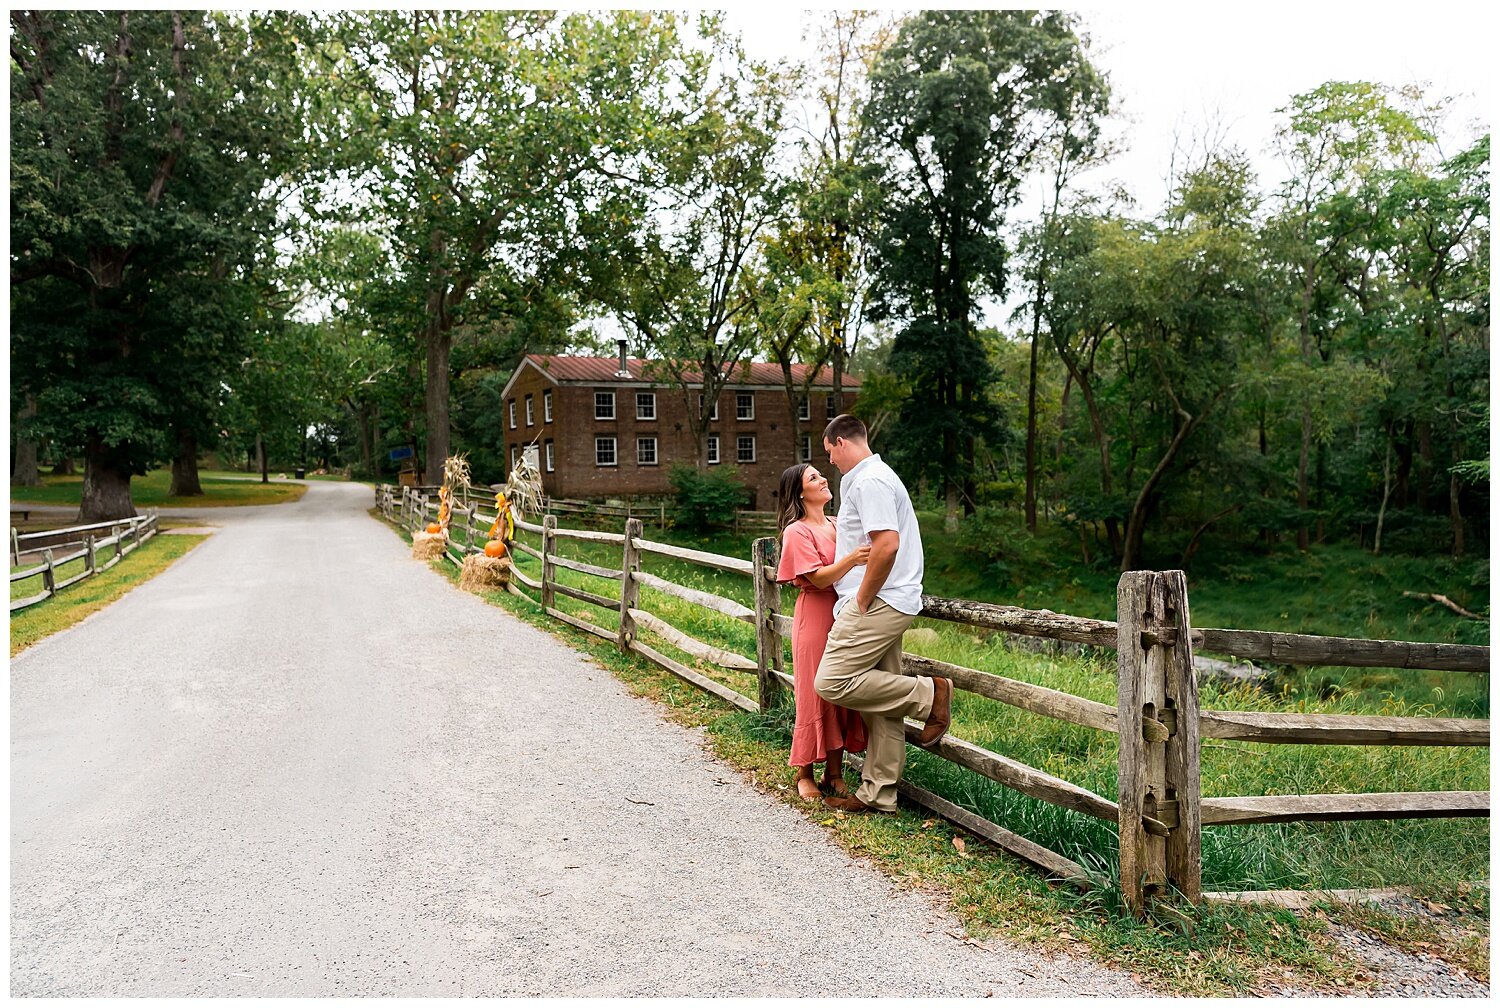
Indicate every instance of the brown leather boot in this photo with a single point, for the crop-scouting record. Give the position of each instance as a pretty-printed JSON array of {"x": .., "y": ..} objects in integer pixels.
[
  {"x": 942, "y": 713},
  {"x": 852, "y": 804}
]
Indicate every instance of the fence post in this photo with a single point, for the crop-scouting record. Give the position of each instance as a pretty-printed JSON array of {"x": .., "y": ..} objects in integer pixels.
[
  {"x": 114, "y": 530},
  {"x": 1158, "y": 780},
  {"x": 630, "y": 588},
  {"x": 15, "y": 547},
  {"x": 49, "y": 577},
  {"x": 88, "y": 556},
  {"x": 549, "y": 544},
  {"x": 767, "y": 639}
]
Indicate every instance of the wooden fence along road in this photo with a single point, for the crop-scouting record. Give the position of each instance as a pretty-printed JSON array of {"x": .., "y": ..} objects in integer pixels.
[
  {"x": 124, "y": 536},
  {"x": 1160, "y": 812}
]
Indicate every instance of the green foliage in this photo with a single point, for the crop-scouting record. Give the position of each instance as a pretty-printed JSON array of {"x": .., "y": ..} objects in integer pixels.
[{"x": 703, "y": 501}]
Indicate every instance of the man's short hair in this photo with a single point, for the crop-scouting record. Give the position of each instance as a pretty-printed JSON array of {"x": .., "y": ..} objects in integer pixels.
[{"x": 850, "y": 428}]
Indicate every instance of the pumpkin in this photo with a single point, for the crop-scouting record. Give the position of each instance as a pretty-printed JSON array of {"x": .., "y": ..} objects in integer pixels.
[
  {"x": 434, "y": 528},
  {"x": 494, "y": 548}
]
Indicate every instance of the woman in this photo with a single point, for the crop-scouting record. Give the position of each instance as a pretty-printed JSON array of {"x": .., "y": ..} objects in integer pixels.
[{"x": 808, "y": 543}]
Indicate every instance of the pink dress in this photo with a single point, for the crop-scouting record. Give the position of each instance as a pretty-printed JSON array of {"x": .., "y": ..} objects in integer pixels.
[{"x": 820, "y": 726}]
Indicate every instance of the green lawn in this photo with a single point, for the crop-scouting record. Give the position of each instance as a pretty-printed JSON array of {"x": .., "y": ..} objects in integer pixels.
[
  {"x": 150, "y": 490},
  {"x": 1227, "y": 948},
  {"x": 91, "y": 594}
]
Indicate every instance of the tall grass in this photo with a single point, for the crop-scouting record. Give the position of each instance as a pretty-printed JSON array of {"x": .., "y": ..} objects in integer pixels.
[{"x": 1269, "y": 856}]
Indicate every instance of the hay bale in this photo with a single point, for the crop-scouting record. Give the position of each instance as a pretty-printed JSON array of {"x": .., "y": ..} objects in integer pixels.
[
  {"x": 482, "y": 572},
  {"x": 428, "y": 545}
]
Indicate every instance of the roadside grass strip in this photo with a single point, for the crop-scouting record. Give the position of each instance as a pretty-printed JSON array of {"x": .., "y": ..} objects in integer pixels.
[
  {"x": 151, "y": 489},
  {"x": 46, "y": 618},
  {"x": 1218, "y": 949}
]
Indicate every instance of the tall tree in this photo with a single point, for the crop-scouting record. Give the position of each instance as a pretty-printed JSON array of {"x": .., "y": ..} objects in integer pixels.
[
  {"x": 961, "y": 102},
  {"x": 141, "y": 143}
]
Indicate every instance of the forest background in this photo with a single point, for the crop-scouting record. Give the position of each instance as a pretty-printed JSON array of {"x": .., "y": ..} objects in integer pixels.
[{"x": 312, "y": 238}]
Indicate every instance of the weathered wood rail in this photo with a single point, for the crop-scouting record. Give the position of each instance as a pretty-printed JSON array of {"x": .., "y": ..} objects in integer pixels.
[
  {"x": 124, "y": 537},
  {"x": 1160, "y": 811}
]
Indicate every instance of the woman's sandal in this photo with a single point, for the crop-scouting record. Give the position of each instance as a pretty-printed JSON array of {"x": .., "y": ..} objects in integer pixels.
[
  {"x": 835, "y": 786},
  {"x": 808, "y": 790}
]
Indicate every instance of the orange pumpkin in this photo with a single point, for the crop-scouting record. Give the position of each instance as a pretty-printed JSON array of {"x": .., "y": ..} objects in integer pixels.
[
  {"x": 434, "y": 528},
  {"x": 494, "y": 548}
]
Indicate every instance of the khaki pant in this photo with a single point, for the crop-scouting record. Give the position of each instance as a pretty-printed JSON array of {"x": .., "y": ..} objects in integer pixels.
[{"x": 861, "y": 670}]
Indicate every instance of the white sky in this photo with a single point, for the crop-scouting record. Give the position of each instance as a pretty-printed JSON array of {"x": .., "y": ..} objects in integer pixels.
[{"x": 1180, "y": 71}]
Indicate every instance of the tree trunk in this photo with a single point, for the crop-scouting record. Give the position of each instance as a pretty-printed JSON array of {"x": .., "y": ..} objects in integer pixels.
[
  {"x": 1455, "y": 515},
  {"x": 185, "y": 467},
  {"x": 1036, "y": 322},
  {"x": 106, "y": 485},
  {"x": 64, "y": 467},
  {"x": 366, "y": 439},
  {"x": 1385, "y": 495},
  {"x": 439, "y": 351},
  {"x": 1302, "y": 456},
  {"x": 24, "y": 472},
  {"x": 835, "y": 478},
  {"x": 260, "y": 457}
]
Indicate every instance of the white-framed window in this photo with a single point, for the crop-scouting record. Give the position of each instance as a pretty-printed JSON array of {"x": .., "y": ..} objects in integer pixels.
[
  {"x": 833, "y": 409},
  {"x": 645, "y": 451},
  {"x": 713, "y": 413},
  {"x": 744, "y": 405},
  {"x": 645, "y": 405},
  {"x": 604, "y": 405},
  {"x": 515, "y": 455},
  {"x": 806, "y": 448},
  {"x": 604, "y": 450},
  {"x": 510, "y": 410},
  {"x": 804, "y": 410},
  {"x": 744, "y": 448},
  {"x": 547, "y": 406},
  {"x": 547, "y": 451},
  {"x": 530, "y": 412},
  {"x": 713, "y": 449}
]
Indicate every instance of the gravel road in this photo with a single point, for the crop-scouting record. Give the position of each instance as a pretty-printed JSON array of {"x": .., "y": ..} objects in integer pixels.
[{"x": 300, "y": 763}]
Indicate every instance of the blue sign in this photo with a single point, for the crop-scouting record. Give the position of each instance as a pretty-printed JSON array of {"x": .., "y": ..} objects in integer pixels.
[{"x": 401, "y": 453}]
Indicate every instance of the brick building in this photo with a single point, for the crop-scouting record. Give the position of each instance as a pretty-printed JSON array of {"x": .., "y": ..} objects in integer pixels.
[{"x": 603, "y": 427}]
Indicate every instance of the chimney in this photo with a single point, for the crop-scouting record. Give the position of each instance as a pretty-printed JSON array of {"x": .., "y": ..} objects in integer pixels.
[{"x": 624, "y": 369}]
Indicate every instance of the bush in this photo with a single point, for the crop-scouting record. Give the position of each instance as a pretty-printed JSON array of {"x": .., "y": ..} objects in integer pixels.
[{"x": 705, "y": 501}]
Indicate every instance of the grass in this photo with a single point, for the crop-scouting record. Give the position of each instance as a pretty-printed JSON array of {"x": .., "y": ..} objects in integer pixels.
[
  {"x": 150, "y": 490},
  {"x": 91, "y": 594},
  {"x": 1227, "y": 949}
]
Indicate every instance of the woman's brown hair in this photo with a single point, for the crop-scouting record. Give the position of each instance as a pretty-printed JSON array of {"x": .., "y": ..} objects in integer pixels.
[{"x": 792, "y": 508}]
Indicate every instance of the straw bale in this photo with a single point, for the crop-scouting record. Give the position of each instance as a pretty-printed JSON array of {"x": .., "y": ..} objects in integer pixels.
[
  {"x": 481, "y": 572},
  {"x": 428, "y": 545}
]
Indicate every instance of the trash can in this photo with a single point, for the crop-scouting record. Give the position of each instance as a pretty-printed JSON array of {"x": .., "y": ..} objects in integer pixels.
[{"x": 301, "y": 473}]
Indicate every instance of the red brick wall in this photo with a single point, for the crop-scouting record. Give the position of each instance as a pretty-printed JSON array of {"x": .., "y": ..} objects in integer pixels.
[{"x": 573, "y": 430}]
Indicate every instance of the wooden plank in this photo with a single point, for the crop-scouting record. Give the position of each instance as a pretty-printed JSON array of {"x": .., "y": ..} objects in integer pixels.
[
  {"x": 1032, "y": 853},
  {"x": 526, "y": 526},
  {"x": 518, "y": 593},
  {"x": 515, "y": 572},
  {"x": 1143, "y": 859},
  {"x": 74, "y": 579},
  {"x": 630, "y": 588},
  {"x": 586, "y": 568},
  {"x": 28, "y": 572},
  {"x": 1028, "y": 622},
  {"x": 768, "y": 650},
  {"x": 1183, "y": 775},
  {"x": 1027, "y": 696},
  {"x": 693, "y": 646},
  {"x": 1019, "y": 777},
  {"x": 705, "y": 599},
  {"x": 529, "y": 551},
  {"x": 581, "y": 624},
  {"x": 731, "y": 564},
  {"x": 587, "y": 596},
  {"x": 1303, "y": 899},
  {"x": 680, "y": 670},
  {"x": 1303, "y": 649},
  {"x": 1329, "y": 807},
  {"x": 549, "y": 554},
  {"x": 607, "y": 537},
  {"x": 1343, "y": 729},
  {"x": 30, "y": 601},
  {"x": 783, "y": 624}
]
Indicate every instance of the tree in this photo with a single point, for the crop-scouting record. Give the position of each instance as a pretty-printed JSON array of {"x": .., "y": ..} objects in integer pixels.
[
  {"x": 479, "y": 140},
  {"x": 960, "y": 104},
  {"x": 141, "y": 143}
]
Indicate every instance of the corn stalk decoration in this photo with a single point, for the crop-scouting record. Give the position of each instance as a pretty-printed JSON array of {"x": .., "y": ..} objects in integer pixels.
[
  {"x": 455, "y": 477},
  {"x": 522, "y": 493}
]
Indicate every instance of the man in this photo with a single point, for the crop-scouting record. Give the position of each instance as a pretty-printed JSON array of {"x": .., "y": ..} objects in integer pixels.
[{"x": 861, "y": 666}]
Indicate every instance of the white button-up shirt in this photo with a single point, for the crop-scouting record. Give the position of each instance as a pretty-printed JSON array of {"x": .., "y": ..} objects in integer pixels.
[{"x": 875, "y": 499}]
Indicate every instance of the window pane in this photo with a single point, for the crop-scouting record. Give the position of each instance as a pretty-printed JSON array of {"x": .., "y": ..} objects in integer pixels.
[
  {"x": 744, "y": 405},
  {"x": 547, "y": 406},
  {"x": 804, "y": 412},
  {"x": 604, "y": 451},
  {"x": 807, "y": 448},
  {"x": 604, "y": 405},
  {"x": 645, "y": 405},
  {"x": 832, "y": 410},
  {"x": 645, "y": 450},
  {"x": 713, "y": 448},
  {"x": 510, "y": 410},
  {"x": 549, "y": 456},
  {"x": 745, "y": 448},
  {"x": 530, "y": 412}
]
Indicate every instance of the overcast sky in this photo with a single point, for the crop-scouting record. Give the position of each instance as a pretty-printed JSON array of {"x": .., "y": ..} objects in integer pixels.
[{"x": 1182, "y": 71}]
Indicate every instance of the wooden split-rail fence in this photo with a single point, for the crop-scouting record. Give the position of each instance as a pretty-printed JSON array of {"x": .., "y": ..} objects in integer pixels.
[
  {"x": 1160, "y": 811},
  {"x": 98, "y": 552}
]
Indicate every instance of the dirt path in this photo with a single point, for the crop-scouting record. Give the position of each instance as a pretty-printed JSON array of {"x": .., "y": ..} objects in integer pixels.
[{"x": 300, "y": 763}]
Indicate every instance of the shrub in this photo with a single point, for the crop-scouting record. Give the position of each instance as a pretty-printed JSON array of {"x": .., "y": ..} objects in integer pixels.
[{"x": 704, "y": 501}]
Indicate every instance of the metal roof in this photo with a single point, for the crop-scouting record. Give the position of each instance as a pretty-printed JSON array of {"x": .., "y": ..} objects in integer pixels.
[{"x": 605, "y": 369}]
